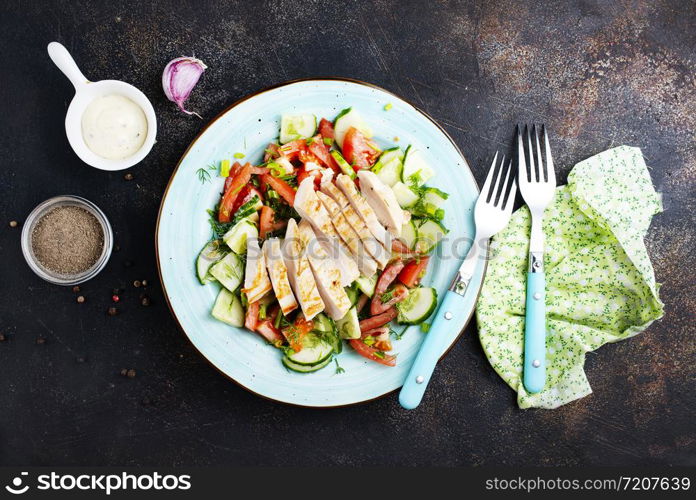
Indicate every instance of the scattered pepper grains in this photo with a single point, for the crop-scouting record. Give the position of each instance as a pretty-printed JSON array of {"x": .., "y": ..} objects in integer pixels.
[
  {"x": 124, "y": 371},
  {"x": 137, "y": 284},
  {"x": 131, "y": 373},
  {"x": 112, "y": 311},
  {"x": 13, "y": 223},
  {"x": 2, "y": 337},
  {"x": 76, "y": 289},
  {"x": 145, "y": 302},
  {"x": 128, "y": 176},
  {"x": 144, "y": 282},
  {"x": 80, "y": 360},
  {"x": 40, "y": 341},
  {"x": 80, "y": 299}
]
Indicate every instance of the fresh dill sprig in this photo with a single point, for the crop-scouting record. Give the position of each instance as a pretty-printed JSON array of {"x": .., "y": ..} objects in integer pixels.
[
  {"x": 339, "y": 369},
  {"x": 203, "y": 175}
]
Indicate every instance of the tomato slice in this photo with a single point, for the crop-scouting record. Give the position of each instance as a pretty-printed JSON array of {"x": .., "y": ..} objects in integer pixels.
[
  {"x": 292, "y": 149},
  {"x": 281, "y": 187},
  {"x": 246, "y": 194},
  {"x": 240, "y": 180},
  {"x": 326, "y": 129},
  {"x": 413, "y": 272},
  {"x": 234, "y": 169},
  {"x": 252, "y": 316},
  {"x": 321, "y": 152},
  {"x": 302, "y": 174},
  {"x": 268, "y": 331},
  {"x": 358, "y": 151},
  {"x": 371, "y": 353},
  {"x": 266, "y": 221},
  {"x": 386, "y": 278},
  {"x": 270, "y": 152},
  {"x": 379, "y": 320}
]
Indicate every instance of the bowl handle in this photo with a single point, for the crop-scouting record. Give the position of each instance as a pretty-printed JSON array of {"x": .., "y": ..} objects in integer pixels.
[{"x": 62, "y": 58}]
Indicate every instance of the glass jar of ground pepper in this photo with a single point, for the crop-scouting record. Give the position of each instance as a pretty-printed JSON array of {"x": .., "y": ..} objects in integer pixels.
[{"x": 67, "y": 240}]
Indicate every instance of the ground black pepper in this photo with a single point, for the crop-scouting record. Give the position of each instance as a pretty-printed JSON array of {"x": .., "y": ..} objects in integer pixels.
[{"x": 67, "y": 240}]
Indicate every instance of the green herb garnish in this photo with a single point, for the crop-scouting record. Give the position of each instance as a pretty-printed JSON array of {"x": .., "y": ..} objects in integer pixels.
[
  {"x": 239, "y": 156},
  {"x": 339, "y": 370},
  {"x": 387, "y": 106}
]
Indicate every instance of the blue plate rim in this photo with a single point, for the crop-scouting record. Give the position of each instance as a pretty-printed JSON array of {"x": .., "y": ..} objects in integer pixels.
[{"x": 193, "y": 143}]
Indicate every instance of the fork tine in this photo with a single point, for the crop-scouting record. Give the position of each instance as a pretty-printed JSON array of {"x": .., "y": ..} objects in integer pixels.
[
  {"x": 521, "y": 165},
  {"x": 532, "y": 169},
  {"x": 540, "y": 163},
  {"x": 485, "y": 190},
  {"x": 550, "y": 172},
  {"x": 503, "y": 188},
  {"x": 511, "y": 198},
  {"x": 496, "y": 188}
]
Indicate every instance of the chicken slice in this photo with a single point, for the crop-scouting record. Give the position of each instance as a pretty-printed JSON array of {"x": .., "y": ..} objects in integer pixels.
[
  {"x": 279, "y": 275},
  {"x": 300, "y": 274},
  {"x": 360, "y": 204},
  {"x": 371, "y": 244},
  {"x": 309, "y": 207},
  {"x": 366, "y": 263},
  {"x": 256, "y": 281},
  {"x": 383, "y": 201},
  {"x": 326, "y": 274}
]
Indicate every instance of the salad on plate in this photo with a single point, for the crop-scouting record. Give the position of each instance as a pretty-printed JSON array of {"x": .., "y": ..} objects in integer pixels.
[{"x": 327, "y": 239}]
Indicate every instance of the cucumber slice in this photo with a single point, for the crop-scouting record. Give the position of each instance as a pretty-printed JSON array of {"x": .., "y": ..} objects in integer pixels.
[
  {"x": 327, "y": 327},
  {"x": 349, "y": 325},
  {"x": 389, "y": 173},
  {"x": 388, "y": 155},
  {"x": 290, "y": 365},
  {"x": 228, "y": 308},
  {"x": 405, "y": 196},
  {"x": 409, "y": 234},
  {"x": 415, "y": 167},
  {"x": 434, "y": 197},
  {"x": 314, "y": 350},
  {"x": 367, "y": 285},
  {"x": 353, "y": 294},
  {"x": 297, "y": 127},
  {"x": 346, "y": 119},
  {"x": 345, "y": 166},
  {"x": 236, "y": 238},
  {"x": 211, "y": 253},
  {"x": 430, "y": 232},
  {"x": 229, "y": 271},
  {"x": 418, "y": 306}
]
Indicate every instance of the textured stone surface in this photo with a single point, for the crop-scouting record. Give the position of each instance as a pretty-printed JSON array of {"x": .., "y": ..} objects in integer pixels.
[{"x": 597, "y": 73}]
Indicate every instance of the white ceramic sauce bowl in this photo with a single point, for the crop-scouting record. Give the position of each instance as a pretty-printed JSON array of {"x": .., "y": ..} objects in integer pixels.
[{"x": 85, "y": 93}]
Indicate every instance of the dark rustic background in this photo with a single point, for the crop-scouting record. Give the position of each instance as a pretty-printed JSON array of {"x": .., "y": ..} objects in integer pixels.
[{"x": 598, "y": 73}]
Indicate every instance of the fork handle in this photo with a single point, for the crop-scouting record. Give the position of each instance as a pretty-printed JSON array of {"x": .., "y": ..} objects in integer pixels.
[{"x": 534, "y": 376}]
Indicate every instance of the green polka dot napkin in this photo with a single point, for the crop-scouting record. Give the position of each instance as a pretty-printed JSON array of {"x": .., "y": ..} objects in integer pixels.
[{"x": 600, "y": 285}]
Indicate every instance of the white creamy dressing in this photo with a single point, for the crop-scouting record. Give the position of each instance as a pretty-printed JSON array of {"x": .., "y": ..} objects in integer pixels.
[{"x": 114, "y": 127}]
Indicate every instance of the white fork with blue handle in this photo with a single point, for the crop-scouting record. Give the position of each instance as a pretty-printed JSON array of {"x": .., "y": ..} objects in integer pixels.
[
  {"x": 491, "y": 214},
  {"x": 537, "y": 185}
]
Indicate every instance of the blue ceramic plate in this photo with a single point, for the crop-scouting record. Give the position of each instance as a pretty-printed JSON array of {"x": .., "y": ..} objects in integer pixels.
[{"x": 182, "y": 230}]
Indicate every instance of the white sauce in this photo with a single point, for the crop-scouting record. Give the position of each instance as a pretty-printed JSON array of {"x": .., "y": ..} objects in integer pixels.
[{"x": 114, "y": 127}]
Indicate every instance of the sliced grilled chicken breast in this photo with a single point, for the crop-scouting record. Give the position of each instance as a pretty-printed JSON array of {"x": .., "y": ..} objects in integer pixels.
[
  {"x": 383, "y": 201},
  {"x": 300, "y": 274},
  {"x": 360, "y": 204},
  {"x": 272, "y": 251},
  {"x": 326, "y": 273},
  {"x": 366, "y": 264},
  {"x": 369, "y": 242},
  {"x": 309, "y": 207},
  {"x": 256, "y": 281}
]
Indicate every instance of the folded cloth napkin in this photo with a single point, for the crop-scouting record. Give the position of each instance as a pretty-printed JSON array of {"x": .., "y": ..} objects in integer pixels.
[{"x": 600, "y": 284}]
